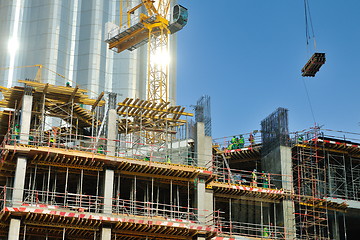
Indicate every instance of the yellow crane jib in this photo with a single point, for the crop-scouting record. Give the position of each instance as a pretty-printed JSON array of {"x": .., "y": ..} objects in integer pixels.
[{"x": 132, "y": 36}]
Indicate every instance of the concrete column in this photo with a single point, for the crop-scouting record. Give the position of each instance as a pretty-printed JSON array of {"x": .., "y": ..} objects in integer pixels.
[
  {"x": 204, "y": 197},
  {"x": 205, "y": 202},
  {"x": 203, "y": 146},
  {"x": 19, "y": 181},
  {"x": 14, "y": 229},
  {"x": 108, "y": 190},
  {"x": 111, "y": 124},
  {"x": 106, "y": 233},
  {"x": 111, "y": 132},
  {"x": 25, "y": 120},
  {"x": 279, "y": 161}
]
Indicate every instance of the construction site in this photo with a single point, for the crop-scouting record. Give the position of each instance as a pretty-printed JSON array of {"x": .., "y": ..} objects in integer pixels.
[{"x": 113, "y": 167}]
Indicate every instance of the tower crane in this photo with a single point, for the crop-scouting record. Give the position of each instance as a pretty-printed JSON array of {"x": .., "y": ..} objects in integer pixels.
[{"x": 152, "y": 28}]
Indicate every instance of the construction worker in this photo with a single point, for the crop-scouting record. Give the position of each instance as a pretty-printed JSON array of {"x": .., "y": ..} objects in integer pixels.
[
  {"x": 237, "y": 178},
  {"x": 265, "y": 179},
  {"x": 189, "y": 160},
  {"x": 15, "y": 133},
  {"x": 233, "y": 143},
  {"x": 254, "y": 178},
  {"x": 53, "y": 136},
  {"x": 266, "y": 232},
  {"x": 168, "y": 160},
  {"x": 300, "y": 138},
  {"x": 68, "y": 84},
  {"x": 100, "y": 149},
  {"x": 241, "y": 142},
  {"x": 146, "y": 159},
  {"x": 251, "y": 139}
]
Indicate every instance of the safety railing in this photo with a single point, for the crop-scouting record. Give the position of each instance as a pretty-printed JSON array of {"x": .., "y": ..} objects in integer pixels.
[
  {"x": 252, "y": 178},
  {"x": 343, "y": 170},
  {"x": 123, "y": 148},
  {"x": 95, "y": 204},
  {"x": 268, "y": 231},
  {"x": 239, "y": 141}
]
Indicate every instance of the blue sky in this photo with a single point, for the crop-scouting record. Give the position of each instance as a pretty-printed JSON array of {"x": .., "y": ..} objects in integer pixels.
[{"x": 248, "y": 54}]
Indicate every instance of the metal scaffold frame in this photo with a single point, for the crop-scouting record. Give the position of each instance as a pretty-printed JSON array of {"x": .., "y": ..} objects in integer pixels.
[
  {"x": 310, "y": 184},
  {"x": 67, "y": 151}
]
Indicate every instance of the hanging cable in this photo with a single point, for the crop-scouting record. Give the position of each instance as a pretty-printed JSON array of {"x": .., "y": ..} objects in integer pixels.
[
  {"x": 308, "y": 97},
  {"x": 309, "y": 28}
]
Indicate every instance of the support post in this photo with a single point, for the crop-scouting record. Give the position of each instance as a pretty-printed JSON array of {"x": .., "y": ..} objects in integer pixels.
[
  {"x": 112, "y": 125},
  {"x": 279, "y": 161},
  {"x": 14, "y": 229},
  {"x": 204, "y": 196},
  {"x": 25, "y": 120},
  {"x": 106, "y": 233},
  {"x": 19, "y": 181},
  {"x": 203, "y": 146},
  {"x": 108, "y": 190}
]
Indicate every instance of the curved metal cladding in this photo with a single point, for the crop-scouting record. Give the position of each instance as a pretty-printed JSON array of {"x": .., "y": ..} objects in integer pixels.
[{"x": 67, "y": 36}]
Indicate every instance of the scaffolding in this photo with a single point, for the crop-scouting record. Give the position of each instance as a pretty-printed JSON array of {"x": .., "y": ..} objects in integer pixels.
[
  {"x": 320, "y": 177},
  {"x": 69, "y": 153}
]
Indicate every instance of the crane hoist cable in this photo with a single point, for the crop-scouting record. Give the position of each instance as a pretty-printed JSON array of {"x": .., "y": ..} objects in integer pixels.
[
  {"x": 309, "y": 28},
  {"x": 318, "y": 59}
]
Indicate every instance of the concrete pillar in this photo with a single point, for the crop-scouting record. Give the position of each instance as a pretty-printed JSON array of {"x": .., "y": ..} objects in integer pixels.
[
  {"x": 204, "y": 202},
  {"x": 21, "y": 163},
  {"x": 14, "y": 229},
  {"x": 111, "y": 132},
  {"x": 279, "y": 161},
  {"x": 111, "y": 125},
  {"x": 25, "y": 120},
  {"x": 203, "y": 149},
  {"x": 19, "y": 181},
  {"x": 203, "y": 146},
  {"x": 106, "y": 233},
  {"x": 108, "y": 190}
]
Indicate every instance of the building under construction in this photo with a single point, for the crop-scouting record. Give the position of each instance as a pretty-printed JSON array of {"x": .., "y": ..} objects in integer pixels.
[{"x": 79, "y": 168}]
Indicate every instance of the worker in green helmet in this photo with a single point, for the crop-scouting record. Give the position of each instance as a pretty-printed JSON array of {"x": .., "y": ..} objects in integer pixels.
[
  {"x": 241, "y": 142},
  {"x": 15, "y": 133},
  {"x": 233, "y": 143},
  {"x": 266, "y": 232},
  {"x": 100, "y": 149},
  {"x": 265, "y": 179},
  {"x": 168, "y": 159},
  {"x": 254, "y": 178}
]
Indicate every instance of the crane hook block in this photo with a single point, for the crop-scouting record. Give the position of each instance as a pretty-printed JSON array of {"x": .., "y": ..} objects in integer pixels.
[{"x": 313, "y": 65}]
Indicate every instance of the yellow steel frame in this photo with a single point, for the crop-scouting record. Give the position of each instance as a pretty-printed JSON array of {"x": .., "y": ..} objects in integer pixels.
[
  {"x": 157, "y": 33},
  {"x": 158, "y": 74}
]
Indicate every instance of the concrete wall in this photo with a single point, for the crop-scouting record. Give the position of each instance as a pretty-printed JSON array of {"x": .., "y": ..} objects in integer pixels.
[{"x": 279, "y": 161}]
